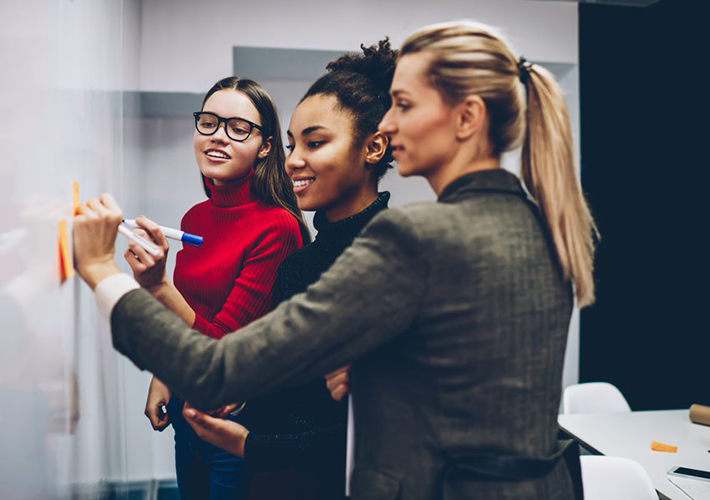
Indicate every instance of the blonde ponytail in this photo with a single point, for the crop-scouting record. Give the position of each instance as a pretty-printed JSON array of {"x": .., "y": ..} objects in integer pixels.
[
  {"x": 471, "y": 58},
  {"x": 549, "y": 174}
]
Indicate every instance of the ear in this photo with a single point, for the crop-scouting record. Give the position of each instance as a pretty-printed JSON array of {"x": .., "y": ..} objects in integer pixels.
[
  {"x": 265, "y": 148},
  {"x": 471, "y": 116},
  {"x": 376, "y": 148}
]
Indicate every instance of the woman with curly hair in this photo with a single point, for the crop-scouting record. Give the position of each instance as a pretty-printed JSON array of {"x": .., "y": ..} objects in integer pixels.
[{"x": 294, "y": 439}]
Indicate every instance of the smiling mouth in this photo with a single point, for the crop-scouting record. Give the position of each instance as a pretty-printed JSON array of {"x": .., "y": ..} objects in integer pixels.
[
  {"x": 220, "y": 155},
  {"x": 301, "y": 184}
]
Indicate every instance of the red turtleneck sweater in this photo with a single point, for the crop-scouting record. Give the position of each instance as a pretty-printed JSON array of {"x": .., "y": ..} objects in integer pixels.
[{"x": 228, "y": 280}]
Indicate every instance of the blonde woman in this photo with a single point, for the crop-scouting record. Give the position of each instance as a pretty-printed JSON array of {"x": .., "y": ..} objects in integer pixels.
[{"x": 454, "y": 313}]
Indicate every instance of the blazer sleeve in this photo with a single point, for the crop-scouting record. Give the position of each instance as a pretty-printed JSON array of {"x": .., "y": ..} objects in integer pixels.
[{"x": 371, "y": 294}]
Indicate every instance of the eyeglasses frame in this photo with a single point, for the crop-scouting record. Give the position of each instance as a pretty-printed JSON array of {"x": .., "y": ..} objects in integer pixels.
[{"x": 221, "y": 120}]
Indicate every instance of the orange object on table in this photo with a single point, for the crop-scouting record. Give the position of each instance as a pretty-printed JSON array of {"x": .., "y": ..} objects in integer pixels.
[{"x": 667, "y": 448}]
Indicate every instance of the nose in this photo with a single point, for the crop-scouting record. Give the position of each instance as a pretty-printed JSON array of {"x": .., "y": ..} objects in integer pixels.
[
  {"x": 294, "y": 161},
  {"x": 220, "y": 134},
  {"x": 387, "y": 125}
]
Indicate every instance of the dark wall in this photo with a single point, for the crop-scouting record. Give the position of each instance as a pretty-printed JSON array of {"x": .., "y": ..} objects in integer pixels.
[{"x": 644, "y": 80}]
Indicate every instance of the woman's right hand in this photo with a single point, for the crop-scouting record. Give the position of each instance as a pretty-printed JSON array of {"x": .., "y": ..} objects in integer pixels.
[
  {"x": 148, "y": 270},
  {"x": 226, "y": 434},
  {"x": 337, "y": 383},
  {"x": 158, "y": 396}
]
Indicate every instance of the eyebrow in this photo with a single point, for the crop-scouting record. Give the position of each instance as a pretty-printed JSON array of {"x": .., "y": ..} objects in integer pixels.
[
  {"x": 308, "y": 130},
  {"x": 232, "y": 117},
  {"x": 398, "y": 92}
]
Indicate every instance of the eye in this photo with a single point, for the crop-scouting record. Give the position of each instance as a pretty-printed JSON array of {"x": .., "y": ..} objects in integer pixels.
[
  {"x": 290, "y": 147},
  {"x": 404, "y": 106},
  {"x": 315, "y": 144}
]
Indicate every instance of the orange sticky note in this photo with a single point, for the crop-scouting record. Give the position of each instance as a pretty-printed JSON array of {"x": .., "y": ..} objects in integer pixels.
[
  {"x": 76, "y": 201},
  {"x": 66, "y": 264},
  {"x": 656, "y": 446}
]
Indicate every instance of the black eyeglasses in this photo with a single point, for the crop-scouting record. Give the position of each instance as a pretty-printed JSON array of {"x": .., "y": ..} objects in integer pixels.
[{"x": 237, "y": 129}]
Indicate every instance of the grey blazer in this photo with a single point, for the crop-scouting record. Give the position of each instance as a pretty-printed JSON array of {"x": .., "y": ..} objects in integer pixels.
[{"x": 455, "y": 314}]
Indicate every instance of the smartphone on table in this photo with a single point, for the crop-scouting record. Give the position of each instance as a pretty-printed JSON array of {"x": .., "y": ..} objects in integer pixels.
[{"x": 690, "y": 473}]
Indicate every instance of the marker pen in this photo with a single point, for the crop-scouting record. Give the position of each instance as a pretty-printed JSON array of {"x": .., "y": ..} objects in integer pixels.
[{"x": 174, "y": 234}]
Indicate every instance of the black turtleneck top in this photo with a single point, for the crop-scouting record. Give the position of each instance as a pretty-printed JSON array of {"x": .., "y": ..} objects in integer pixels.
[{"x": 296, "y": 443}]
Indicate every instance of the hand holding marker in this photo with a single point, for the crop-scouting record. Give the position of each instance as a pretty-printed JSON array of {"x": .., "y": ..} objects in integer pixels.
[{"x": 149, "y": 246}]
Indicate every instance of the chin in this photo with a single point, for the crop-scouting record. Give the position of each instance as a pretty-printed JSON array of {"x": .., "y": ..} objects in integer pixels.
[
  {"x": 217, "y": 178},
  {"x": 306, "y": 207},
  {"x": 208, "y": 173},
  {"x": 419, "y": 169},
  {"x": 311, "y": 202},
  {"x": 405, "y": 170}
]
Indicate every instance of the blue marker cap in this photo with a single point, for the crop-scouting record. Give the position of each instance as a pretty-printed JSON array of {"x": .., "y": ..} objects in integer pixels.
[{"x": 191, "y": 239}]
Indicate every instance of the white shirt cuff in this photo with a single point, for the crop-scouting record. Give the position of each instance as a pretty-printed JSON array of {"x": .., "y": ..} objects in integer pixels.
[{"x": 110, "y": 290}]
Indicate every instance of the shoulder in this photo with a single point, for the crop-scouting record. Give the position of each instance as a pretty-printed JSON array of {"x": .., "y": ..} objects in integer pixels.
[
  {"x": 276, "y": 223},
  {"x": 399, "y": 230},
  {"x": 410, "y": 219},
  {"x": 485, "y": 208},
  {"x": 302, "y": 256},
  {"x": 276, "y": 218},
  {"x": 421, "y": 228}
]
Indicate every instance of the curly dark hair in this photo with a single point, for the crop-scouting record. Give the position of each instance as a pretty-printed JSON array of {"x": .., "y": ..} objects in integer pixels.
[{"x": 361, "y": 83}]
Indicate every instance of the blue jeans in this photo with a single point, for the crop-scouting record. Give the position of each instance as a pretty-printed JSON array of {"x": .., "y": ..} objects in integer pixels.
[{"x": 205, "y": 472}]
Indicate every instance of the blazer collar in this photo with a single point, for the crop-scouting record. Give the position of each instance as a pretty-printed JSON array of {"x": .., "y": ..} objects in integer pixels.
[{"x": 495, "y": 180}]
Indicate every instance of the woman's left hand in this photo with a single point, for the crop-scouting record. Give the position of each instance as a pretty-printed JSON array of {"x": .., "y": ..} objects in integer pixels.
[{"x": 225, "y": 434}]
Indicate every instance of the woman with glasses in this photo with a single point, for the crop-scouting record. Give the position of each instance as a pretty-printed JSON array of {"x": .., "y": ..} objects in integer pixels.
[
  {"x": 455, "y": 313},
  {"x": 250, "y": 223}
]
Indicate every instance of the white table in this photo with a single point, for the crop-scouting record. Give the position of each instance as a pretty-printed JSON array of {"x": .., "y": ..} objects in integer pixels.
[{"x": 629, "y": 435}]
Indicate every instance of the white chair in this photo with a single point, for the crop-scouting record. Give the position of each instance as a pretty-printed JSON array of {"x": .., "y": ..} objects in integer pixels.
[
  {"x": 614, "y": 478},
  {"x": 594, "y": 397}
]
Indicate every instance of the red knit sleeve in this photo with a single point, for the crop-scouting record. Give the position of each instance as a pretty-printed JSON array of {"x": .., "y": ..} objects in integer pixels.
[{"x": 251, "y": 296}]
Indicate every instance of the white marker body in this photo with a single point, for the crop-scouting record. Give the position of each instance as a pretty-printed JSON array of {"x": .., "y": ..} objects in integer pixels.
[{"x": 173, "y": 234}]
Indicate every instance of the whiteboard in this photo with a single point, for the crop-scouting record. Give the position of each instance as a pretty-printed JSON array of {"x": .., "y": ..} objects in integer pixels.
[{"x": 61, "y": 392}]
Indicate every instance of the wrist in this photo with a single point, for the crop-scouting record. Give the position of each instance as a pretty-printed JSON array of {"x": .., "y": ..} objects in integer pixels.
[
  {"x": 96, "y": 272},
  {"x": 241, "y": 442},
  {"x": 161, "y": 290}
]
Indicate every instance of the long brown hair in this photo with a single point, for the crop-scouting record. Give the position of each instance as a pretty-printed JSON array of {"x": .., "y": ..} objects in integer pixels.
[
  {"x": 470, "y": 58},
  {"x": 270, "y": 184}
]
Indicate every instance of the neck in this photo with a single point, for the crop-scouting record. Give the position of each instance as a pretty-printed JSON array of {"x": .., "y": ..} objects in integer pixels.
[
  {"x": 231, "y": 194},
  {"x": 444, "y": 176},
  {"x": 354, "y": 205},
  {"x": 225, "y": 182}
]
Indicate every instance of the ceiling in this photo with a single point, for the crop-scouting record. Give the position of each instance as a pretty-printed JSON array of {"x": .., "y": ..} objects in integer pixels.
[{"x": 628, "y": 3}]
